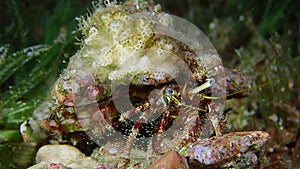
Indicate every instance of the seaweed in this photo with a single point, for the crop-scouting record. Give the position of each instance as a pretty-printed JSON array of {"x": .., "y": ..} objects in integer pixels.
[{"x": 34, "y": 49}]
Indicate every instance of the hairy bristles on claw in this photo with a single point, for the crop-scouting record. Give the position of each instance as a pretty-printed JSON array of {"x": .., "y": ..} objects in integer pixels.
[{"x": 186, "y": 106}]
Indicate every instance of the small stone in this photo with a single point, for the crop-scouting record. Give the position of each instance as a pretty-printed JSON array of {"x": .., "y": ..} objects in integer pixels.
[
  {"x": 58, "y": 154},
  {"x": 170, "y": 160},
  {"x": 40, "y": 165},
  {"x": 62, "y": 157},
  {"x": 230, "y": 150},
  {"x": 47, "y": 165}
]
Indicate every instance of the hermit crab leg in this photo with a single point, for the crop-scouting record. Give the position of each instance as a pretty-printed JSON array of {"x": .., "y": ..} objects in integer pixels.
[
  {"x": 145, "y": 108},
  {"x": 131, "y": 138},
  {"x": 163, "y": 100},
  {"x": 140, "y": 108},
  {"x": 212, "y": 116}
]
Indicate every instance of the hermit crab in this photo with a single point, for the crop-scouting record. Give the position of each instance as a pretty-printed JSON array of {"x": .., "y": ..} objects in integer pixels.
[
  {"x": 138, "y": 78},
  {"x": 143, "y": 79}
]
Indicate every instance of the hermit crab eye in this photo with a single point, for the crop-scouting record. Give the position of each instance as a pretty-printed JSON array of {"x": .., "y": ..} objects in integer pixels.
[
  {"x": 107, "y": 2},
  {"x": 169, "y": 91}
]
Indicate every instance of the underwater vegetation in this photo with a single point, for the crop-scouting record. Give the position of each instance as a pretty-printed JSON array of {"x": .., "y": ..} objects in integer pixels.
[{"x": 261, "y": 39}]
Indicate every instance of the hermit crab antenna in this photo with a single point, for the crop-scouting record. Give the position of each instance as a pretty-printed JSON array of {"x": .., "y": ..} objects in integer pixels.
[{"x": 209, "y": 82}]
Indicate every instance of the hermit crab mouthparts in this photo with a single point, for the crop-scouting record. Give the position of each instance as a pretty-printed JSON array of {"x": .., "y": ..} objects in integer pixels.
[{"x": 209, "y": 82}]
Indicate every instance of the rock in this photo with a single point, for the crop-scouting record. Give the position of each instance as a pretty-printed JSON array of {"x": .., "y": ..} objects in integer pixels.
[
  {"x": 170, "y": 160},
  {"x": 40, "y": 165},
  {"x": 47, "y": 165},
  {"x": 62, "y": 157},
  {"x": 236, "y": 150},
  {"x": 58, "y": 154},
  {"x": 83, "y": 162}
]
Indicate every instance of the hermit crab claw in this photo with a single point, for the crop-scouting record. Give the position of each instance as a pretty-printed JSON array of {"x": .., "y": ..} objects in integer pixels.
[{"x": 209, "y": 82}]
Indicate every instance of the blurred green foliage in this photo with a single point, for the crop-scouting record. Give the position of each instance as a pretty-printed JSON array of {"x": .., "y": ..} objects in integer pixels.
[
  {"x": 35, "y": 46},
  {"x": 36, "y": 40}
]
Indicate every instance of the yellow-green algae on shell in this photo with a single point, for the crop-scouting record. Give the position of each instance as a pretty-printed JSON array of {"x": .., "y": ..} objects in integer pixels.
[{"x": 117, "y": 43}]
